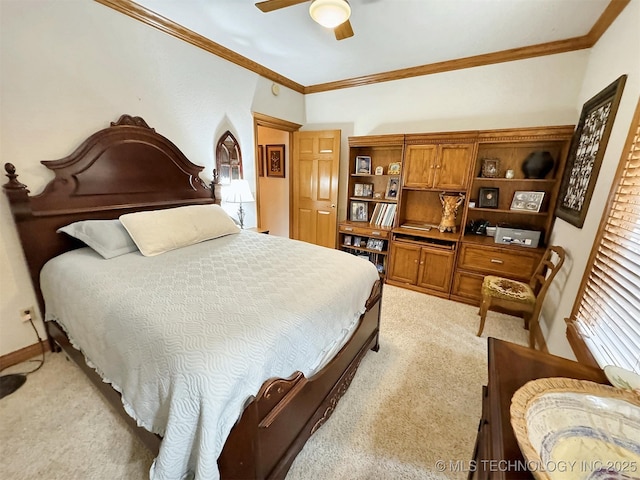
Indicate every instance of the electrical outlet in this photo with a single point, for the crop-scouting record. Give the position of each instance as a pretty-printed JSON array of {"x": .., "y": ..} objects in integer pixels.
[{"x": 27, "y": 314}]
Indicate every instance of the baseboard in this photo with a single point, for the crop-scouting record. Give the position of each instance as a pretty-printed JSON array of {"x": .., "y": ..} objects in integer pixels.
[{"x": 22, "y": 355}]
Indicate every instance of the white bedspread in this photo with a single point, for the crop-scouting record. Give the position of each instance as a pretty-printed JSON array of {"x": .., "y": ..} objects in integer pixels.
[{"x": 189, "y": 335}]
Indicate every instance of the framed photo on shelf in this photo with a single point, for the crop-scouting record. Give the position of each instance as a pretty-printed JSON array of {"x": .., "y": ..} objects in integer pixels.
[
  {"x": 363, "y": 164},
  {"x": 392, "y": 189},
  {"x": 359, "y": 212},
  {"x": 527, "y": 201},
  {"x": 586, "y": 152},
  {"x": 488, "y": 197},
  {"x": 363, "y": 190},
  {"x": 379, "y": 170},
  {"x": 490, "y": 167},
  {"x": 275, "y": 161},
  {"x": 394, "y": 168}
]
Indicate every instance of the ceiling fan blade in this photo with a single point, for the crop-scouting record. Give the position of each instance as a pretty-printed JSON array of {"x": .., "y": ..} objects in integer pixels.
[
  {"x": 343, "y": 31},
  {"x": 271, "y": 5}
]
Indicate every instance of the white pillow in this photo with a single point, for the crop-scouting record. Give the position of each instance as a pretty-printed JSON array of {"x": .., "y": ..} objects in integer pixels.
[
  {"x": 107, "y": 237},
  {"x": 159, "y": 231}
]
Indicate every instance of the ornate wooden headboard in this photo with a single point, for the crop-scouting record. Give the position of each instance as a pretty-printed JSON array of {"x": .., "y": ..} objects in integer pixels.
[{"x": 124, "y": 168}]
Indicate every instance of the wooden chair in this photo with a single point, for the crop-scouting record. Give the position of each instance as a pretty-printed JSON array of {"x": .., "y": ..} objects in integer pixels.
[{"x": 520, "y": 297}]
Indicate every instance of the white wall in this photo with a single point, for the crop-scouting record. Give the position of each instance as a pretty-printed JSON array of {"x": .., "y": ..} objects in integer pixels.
[
  {"x": 617, "y": 53},
  {"x": 69, "y": 68},
  {"x": 533, "y": 92}
]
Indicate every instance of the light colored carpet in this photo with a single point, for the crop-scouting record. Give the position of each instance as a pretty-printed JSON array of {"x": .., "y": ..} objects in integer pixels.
[{"x": 416, "y": 401}]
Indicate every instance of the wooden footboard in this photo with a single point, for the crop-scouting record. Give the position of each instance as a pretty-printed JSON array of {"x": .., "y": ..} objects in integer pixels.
[{"x": 286, "y": 412}]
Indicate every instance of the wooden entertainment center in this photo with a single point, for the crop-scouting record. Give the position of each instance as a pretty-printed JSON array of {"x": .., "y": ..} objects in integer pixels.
[{"x": 486, "y": 168}]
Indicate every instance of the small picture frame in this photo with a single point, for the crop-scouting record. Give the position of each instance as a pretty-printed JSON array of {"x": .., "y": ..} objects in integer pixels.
[
  {"x": 488, "y": 197},
  {"x": 379, "y": 170},
  {"x": 358, "y": 189},
  {"x": 275, "y": 161},
  {"x": 392, "y": 189},
  {"x": 377, "y": 195},
  {"x": 359, "y": 212},
  {"x": 490, "y": 167},
  {"x": 394, "y": 168},
  {"x": 363, "y": 165},
  {"x": 527, "y": 201},
  {"x": 367, "y": 190}
]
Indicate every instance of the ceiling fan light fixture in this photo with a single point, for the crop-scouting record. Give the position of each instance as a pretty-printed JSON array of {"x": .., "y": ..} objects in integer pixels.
[{"x": 330, "y": 13}]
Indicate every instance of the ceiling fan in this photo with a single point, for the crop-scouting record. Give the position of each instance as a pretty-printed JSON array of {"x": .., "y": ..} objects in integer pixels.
[{"x": 328, "y": 13}]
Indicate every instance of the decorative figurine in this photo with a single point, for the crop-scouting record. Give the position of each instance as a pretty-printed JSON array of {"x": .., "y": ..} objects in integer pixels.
[{"x": 450, "y": 205}]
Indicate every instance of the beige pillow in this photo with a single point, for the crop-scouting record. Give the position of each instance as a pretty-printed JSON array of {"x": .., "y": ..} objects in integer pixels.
[{"x": 159, "y": 231}]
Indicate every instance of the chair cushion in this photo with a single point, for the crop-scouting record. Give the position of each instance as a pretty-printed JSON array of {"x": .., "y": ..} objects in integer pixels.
[{"x": 507, "y": 289}]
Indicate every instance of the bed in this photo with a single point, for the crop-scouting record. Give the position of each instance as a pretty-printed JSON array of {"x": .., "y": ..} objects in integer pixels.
[{"x": 127, "y": 169}]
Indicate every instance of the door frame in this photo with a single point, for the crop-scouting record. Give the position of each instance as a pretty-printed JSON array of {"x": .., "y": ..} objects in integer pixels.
[{"x": 262, "y": 120}]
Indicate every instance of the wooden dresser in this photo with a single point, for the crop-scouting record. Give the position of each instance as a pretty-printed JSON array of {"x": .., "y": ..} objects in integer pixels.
[{"x": 510, "y": 367}]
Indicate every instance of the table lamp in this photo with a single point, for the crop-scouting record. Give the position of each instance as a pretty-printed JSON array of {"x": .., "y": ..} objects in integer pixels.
[{"x": 238, "y": 191}]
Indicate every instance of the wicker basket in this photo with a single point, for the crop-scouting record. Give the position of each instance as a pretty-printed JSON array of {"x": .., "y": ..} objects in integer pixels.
[{"x": 534, "y": 389}]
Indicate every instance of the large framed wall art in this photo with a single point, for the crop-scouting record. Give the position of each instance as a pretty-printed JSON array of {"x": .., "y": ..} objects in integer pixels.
[{"x": 586, "y": 152}]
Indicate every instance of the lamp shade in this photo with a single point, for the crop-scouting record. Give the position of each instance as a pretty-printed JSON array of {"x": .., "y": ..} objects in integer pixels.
[
  {"x": 330, "y": 13},
  {"x": 238, "y": 191}
]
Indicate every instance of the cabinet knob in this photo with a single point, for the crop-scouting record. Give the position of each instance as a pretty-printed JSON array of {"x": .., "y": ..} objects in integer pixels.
[
  {"x": 421, "y": 263},
  {"x": 333, "y": 205},
  {"x": 415, "y": 261},
  {"x": 495, "y": 260}
]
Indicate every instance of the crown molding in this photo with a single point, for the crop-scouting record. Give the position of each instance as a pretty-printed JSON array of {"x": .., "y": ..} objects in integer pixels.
[{"x": 163, "y": 24}]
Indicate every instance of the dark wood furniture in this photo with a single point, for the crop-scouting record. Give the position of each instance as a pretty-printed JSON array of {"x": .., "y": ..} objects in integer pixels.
[
  {"x": 129, "y": 167},
  {"x": 510, "y": 367}
]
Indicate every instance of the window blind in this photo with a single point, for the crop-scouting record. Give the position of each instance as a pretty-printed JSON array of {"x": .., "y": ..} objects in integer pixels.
[{"x": 607, "y": 309}]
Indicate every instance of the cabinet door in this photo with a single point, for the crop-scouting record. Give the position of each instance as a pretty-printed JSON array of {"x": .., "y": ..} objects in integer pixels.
[
  {"x": 403, "y": 265},
  {"x": 452, "y": 166},
  {"x": 419, "y": 166},
  {"x": 436, "y": 267}
]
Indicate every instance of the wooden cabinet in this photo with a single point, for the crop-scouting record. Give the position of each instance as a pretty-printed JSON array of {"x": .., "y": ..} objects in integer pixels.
[
  {"x": 438, "y": 166},
  {"x": 496, "y": 454},
  {"x": 452, "y": 263},
  {"x": 421, "y": 265},
  {"x": 375, "y": 167},
  {"x": 510, "y": 149},
  {"x": 480, "y": 256}
]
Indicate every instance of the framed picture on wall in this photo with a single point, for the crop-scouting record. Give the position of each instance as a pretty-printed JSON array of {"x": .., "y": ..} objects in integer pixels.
[
  {"x": 585, "y": 155},
  {"x": 275, "y": 161}
]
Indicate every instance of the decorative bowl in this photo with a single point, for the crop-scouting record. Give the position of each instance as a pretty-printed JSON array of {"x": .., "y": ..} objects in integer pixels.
[
  {"x": 622, "y": 378},
  {"x": 577, "y": 430}
]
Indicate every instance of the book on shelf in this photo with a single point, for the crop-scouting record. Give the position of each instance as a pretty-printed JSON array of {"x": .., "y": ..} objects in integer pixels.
[{"x": 383, "y": 215}]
